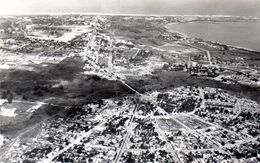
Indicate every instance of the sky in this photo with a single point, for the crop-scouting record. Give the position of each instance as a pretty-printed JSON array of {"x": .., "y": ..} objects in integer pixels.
[{"x": 153, "y": 7}]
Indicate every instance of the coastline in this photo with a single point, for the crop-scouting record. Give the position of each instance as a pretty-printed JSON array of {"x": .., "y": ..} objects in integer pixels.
[
  {"x": 210, "y": 41},
  {"x": 129, "y": 14}
]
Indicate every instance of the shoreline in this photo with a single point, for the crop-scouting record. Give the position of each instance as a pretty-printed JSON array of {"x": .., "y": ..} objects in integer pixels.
[
  {"x": 210, "y": 41},
  {"x": 137, "y": 15}
]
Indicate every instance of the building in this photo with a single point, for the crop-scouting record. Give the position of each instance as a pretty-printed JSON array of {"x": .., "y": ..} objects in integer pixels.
[{"x": 4, "y": 111}]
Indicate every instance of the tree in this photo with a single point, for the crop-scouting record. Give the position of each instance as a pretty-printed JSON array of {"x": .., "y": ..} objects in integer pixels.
[
  {"x": 4, "y": 95},
  {"x": 120, "y": 103},
  {"x": 9, "y": 97}
]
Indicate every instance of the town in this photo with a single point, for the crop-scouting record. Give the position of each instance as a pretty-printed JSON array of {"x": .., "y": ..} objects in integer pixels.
[{"x": 102, "y": 88}]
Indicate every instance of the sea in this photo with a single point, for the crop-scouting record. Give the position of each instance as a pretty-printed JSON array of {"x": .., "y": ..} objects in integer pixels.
[{"x": 241, "y": 34}]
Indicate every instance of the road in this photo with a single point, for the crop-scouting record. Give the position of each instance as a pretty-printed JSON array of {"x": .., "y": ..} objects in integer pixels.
[
  {"x": 201, "y": 49},
  {"x": 168, "y": 144},
  {"x": 6, "y": 149},
  {"x": 26, "y": 131},
  {"x": 53, "y": 154},
  {"x": 128, "y": 133},
  {"x": 202, "y": 105},
  {"x": 81, "y": 136}
]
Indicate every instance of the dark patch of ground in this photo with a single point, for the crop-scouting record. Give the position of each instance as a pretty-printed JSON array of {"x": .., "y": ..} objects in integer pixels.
[
  {"x": 64, "y": 81},
  {"x": 62, "y": 84},
  {"x": 163, "y": 80}
]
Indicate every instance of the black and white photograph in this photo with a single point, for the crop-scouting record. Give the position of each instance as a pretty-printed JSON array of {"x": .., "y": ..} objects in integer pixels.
[{"x": 129, "y": 81}]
